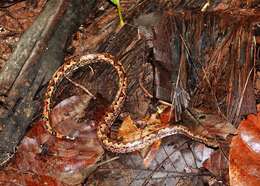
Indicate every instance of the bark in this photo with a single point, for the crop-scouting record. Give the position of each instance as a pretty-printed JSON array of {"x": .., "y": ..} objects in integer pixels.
[{"x": 210, "y": 61}]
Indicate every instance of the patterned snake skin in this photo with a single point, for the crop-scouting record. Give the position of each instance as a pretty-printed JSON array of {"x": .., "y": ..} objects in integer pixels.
[{"x": 114, "y": 110}]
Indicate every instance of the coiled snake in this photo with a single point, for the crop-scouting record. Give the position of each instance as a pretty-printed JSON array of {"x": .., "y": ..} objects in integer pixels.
[{"x": 114, "y": 110}]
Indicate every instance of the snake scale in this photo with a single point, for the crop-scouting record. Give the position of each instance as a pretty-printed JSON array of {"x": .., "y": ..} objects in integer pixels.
[{"x": 114, "y": 110}]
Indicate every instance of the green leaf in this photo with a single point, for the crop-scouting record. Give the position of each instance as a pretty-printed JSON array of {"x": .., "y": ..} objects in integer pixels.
[{"x": 115, "y": 2}]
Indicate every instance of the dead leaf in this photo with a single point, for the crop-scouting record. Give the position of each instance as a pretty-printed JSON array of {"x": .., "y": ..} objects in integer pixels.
[
  {"x": 244, "y": 157},
  {"x": 128, "y": 129},
  {"x": 58, "y": 162},
  {"x": 67, "y": 110},
  {"x": 14, "y": 21},
  {"x": 171, "y": 164},
  {"x": 166, "y": 116},
  {"x": 212, "y": 125},
  {"x": 202, "y": 152},
  {"x": 130, "y": 132},
  {"x": 12, "y": 177}
]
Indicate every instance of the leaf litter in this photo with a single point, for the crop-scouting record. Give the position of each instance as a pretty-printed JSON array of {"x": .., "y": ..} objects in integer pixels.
[{"x": 177, "y": 161}]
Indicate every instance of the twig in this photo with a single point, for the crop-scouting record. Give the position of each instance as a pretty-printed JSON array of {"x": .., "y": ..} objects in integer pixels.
[
  {"x": 81, "y": 87},
  {"x": 243, "y": 92},
  {"x": 205, "y": 6},
  {"x": 214, "y": 94},
  {"x": 107, "y": 161}
]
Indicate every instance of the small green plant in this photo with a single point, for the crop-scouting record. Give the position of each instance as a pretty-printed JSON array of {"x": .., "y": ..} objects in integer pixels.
[{"x": 116, "y": 2}]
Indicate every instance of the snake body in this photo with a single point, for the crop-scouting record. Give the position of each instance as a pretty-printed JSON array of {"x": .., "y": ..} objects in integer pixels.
[{"x": 114, "y": 110}]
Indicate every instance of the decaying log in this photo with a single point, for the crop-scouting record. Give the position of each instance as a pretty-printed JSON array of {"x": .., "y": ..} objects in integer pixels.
[{"x": 219, "y": 65}]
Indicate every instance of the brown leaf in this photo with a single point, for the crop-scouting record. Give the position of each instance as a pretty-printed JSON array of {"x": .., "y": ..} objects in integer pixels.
[
  {"x": 64, "y": 161},
  {"x": 166, "y": 116},
  {"x": 14, "y": 21},
  {"x": 54, "y": 161},
  {"x": 130, "y": 132},
  {"x": 213, "y": 125},
  {"x": 128, "y": 129},
  {"x": 67, "y": 110},
  {"x": 244, "y": 157},
  {"x": 12, "y": 177}
]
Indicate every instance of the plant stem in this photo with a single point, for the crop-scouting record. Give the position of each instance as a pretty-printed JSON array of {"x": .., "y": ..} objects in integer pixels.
[{"x": 120, "y": 15}]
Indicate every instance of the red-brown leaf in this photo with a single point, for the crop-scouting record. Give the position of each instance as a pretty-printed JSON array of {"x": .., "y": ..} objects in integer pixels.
[
  {"x": 244, "y": 157},
  {"x": 54, "y": 161}
]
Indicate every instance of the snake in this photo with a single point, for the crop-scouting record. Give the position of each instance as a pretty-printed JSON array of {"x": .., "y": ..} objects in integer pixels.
[{"x": 104, "y": 126}]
